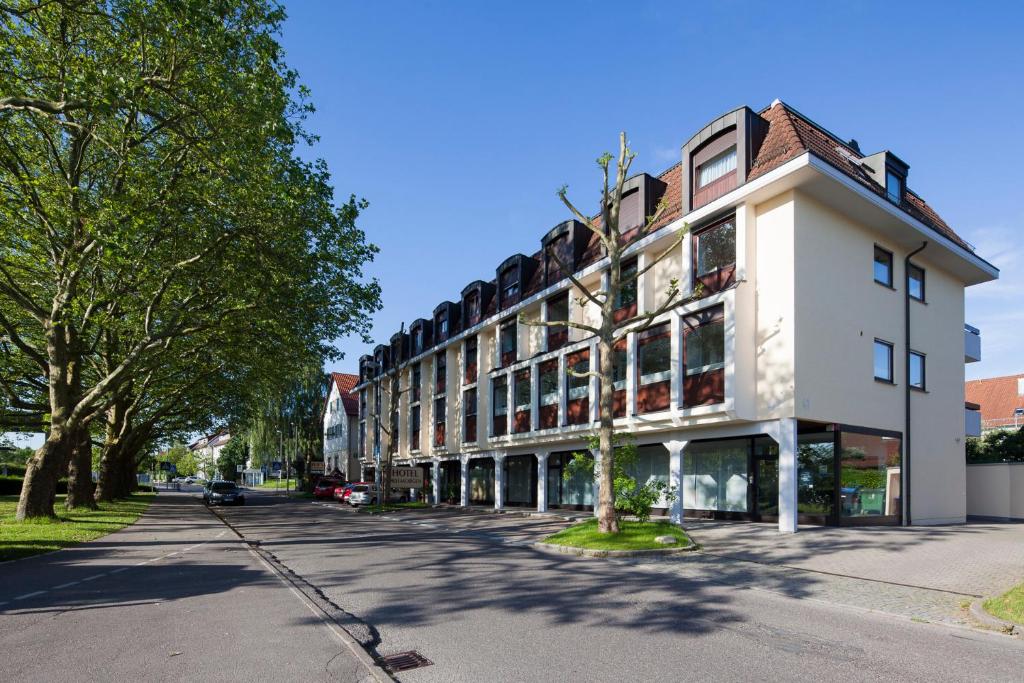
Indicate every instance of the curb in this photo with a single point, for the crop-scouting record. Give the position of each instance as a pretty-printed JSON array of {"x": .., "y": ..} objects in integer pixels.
[
  {"x": 587, "y": 552},
  {"x": 989, "y": 621}
]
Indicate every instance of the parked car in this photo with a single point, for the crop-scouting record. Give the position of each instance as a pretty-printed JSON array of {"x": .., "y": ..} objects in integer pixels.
[
  {"x": 223, "y": 493},
  {"x": 366, "y": 494},
  {"x": 326, "y": 487},
  {"x": 342, "y": 493},
  {"x": 190, "y": 480}
]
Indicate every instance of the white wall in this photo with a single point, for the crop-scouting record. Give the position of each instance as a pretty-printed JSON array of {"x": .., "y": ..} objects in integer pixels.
[{"x": 996, "y": 490}]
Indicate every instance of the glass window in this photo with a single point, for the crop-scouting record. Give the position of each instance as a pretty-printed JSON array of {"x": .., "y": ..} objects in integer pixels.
[
  {"x": 715, "y": 475},
  {"x": 472, "y": 308},
  {"x": 716, "y": 248},
  {"x": 627, "y": 276},
  {"x": 414, "y": 428},
  {"x": 704, "y": 348},
  {"x": 619, "y": 367},
  {"x": 915, "y": 282},
  {"x": 522, "y": 392},
  {"x": 508, "y": 343},
  {"x": 883, "y": 360},
  {"x": 442, "y": 326},
  {"x": 652, "y": 464},
  {"x": 441, "y": 372},
  {"x": 547, "y": 380},
  {"x": 716, "y": 167},
  {"x": 816, "y": 473},
  {"x": 417, "y": 340},
  {"x": 558, "y": 310},
  {"x": 869, "y": 475},
  {"x": 416, "y": 381},
  {"x": 499, "y": 396},
  {"x": 883, "y": 267},
  {"x": 509, "y": 285},
  {"x": 893, "y": 186},
  {"x": 439, "y": 411},
  {"x": 917, "y": 370},
  {"x": 470, "y": 360},
  {"x": 653, "y": 355},
  {"x": 578, "y": 387}
]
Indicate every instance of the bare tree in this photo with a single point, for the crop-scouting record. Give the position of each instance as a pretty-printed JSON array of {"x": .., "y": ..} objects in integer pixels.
[{"x": 608, "y": 332}]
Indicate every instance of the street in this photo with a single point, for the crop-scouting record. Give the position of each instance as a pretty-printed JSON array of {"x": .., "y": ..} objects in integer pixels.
[
  {"x": 466, "y": 592},
  {"x": 177, "y": 596}
]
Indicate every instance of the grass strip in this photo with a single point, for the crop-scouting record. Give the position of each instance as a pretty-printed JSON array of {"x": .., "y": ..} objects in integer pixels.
[
  {"x": 631, "y": 536},
  {"x": 1009, "y": 606},
  {"x": 70, "y": 527}
]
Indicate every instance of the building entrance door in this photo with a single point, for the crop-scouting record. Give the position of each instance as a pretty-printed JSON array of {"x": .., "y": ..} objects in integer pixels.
[{"x": 766, "y": 478}]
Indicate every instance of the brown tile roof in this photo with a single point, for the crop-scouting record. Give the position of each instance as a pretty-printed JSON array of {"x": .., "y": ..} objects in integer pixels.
[
  {"x": 345, "y": 383},
  {"x": 998, "y": 398},
  {"x": 790, "y": 134}
]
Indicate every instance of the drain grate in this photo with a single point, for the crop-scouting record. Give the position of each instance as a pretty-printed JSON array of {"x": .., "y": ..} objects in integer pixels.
[{"x": 403, "y": 661}]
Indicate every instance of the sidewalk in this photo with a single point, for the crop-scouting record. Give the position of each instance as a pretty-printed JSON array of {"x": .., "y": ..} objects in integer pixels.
[{"x": 175, "y": 596}]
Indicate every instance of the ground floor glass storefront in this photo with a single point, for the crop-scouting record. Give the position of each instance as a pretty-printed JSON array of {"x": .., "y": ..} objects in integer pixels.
[
  {"x": 521, "y": 480},
  {"x": 846, "y": 475},
  {"x": 576, "y": 492}
]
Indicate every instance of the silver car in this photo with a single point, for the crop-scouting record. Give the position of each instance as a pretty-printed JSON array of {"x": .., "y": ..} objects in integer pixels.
[{"x": 362, "y": 494}]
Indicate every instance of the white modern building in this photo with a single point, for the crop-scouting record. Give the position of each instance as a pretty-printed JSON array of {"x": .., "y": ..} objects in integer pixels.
[
  {"x": 340, "y": 415},
  {"x": 818, "y": 377},
  {"x": 208, "y": 449}
]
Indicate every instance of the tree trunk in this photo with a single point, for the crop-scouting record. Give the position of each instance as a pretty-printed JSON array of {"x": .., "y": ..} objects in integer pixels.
[
  {"x": 39, "y": 487},
  {"x": 111, "y": 484},
  {"x": 80, "y": 488},
  {"x": 607, "y": 522}
]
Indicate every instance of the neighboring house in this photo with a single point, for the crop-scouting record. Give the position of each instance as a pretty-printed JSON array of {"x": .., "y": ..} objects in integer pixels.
[
  {"x": 817, "y": 379},
  {"x": 207, "y": 449},
  {"x": 340, "y": 416},
  {"x": 1000, "y": 401}
]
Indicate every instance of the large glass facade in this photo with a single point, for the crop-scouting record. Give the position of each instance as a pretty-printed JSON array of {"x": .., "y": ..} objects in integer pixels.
[
  {"x": 521, "y": 480},
  {"x": 716, "y": 475},
  {"x": 869, "y": 475},
  {"x": 816, "y": 474},
  {"x": 481, "y": 481},
  {"x": 577, "y": 491}
]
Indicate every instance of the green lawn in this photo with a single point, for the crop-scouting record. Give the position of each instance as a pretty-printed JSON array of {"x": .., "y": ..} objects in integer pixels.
[
  {"x": 21, "y": 539},
  {"x": 631, "y": 536},
  {"x": 277, "y": 484},
  {"x": 1008, "y": 606}
]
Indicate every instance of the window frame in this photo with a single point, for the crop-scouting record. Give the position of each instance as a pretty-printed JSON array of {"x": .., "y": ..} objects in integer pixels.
[
  {"x": 499, "y": 382},
  {"x": 657, "y": 333},
  {"x": 550, "y": 398},
  {"x": 910, "y": 291},
  {"x": 583, "y": 388},
  {"x": 509, "y": 297},
  {"x": 875, "y": 261},
  {"x": 470, "y": 360},
  {"x": 923, "y": 386},
  {"x": 698, "y": 175},
  {"x": 889, "y": 346},
  {"x": 441, "y": 372},
  {"x": 896, "y": 197},
  {"x": 509, "y": 329}
]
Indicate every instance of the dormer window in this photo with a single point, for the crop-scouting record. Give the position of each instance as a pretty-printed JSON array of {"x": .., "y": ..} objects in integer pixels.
[
  {"x": 509, "y": 286},
  {"x": 716, "y": 167},
  {"x": 441, "y": 323},
  {"x": 473, "y": 309},
  {"x": 417, "y": 341},
  {"x": 893, "y": 186}
]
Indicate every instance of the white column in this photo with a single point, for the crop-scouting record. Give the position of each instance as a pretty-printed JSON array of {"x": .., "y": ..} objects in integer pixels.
[
  {"x": 464, "y": 478},
  {"x": 676, "y": 361},
  {"x": 499, "y": 481},
  {"x": 787, "y": 476},
  {"x": 675, "y": 478},
  {"x": 436, "y": 474},
  {"x": 542, "y": 481},
  {"x": 641, "y": 290},
  {"x": 631, "y": 376}
]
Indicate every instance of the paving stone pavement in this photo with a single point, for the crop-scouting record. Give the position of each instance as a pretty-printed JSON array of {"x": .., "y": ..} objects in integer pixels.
[{"x": 972, "y": 559}]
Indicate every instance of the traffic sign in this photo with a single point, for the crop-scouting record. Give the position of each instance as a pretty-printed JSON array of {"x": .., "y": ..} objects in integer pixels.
[{"x": 239, "y": 468}]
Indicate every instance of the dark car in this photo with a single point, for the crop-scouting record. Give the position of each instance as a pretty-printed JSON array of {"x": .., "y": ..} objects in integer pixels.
[
  {"x": 325, "y": 487},
  {"x": 223, "y": 493}
]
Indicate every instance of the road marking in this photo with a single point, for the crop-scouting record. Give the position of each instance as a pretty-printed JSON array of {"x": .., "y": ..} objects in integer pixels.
[
  {"x": 29, "y": 595},
  {"x": 93, "y": 577},
  {"x": 69, "y": 584},
  {"x": 118, "y": 571}
]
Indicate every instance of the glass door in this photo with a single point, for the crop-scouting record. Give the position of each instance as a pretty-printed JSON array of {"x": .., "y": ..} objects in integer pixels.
[{"x": 766, "y": 475}]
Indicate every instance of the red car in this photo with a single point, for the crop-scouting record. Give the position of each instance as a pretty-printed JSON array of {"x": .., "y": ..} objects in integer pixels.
[
  {"x": 326, "y": 487},
  {"x": 342, "y": 493}
]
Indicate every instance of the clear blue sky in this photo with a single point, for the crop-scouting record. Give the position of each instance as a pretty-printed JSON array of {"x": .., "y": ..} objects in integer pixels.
[{"x": 458, "y": 121}]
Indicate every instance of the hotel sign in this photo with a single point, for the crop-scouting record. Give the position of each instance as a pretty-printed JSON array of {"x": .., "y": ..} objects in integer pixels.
[{"x": 406, "y": 477}]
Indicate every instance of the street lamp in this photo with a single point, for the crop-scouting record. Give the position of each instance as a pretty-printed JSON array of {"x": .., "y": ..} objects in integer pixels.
[
  {"x": 1017, "y": 414},
  {"x": 280, "y": 444}
]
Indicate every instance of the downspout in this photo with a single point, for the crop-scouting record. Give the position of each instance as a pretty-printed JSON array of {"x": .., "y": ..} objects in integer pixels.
[{"x": 906, "y": 363}]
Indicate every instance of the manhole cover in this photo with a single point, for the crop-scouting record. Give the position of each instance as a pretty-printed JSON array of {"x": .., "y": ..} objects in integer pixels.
[{"x": 403, "y": 661}]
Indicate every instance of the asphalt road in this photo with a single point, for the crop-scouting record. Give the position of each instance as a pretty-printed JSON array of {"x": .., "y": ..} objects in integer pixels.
[
  {"x": 469, "y": 594},
  {"x": 175, "y": 597}
]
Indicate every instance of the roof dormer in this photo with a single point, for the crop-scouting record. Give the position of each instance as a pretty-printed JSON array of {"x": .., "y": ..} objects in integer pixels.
[
  {"x": 420, "y": 336},
  {"x": 717, "y": 159},
  {"x": 365, "y": 368},
  {"x": 640, "y": 197},
  {"x": 476, "y": 297},
  {"x": 446, "y": 321},
  {"x": 399, "y": 348},
  {"x": 513, "y": 274},
  {"x": 567, "y": 241},
  {"x": 381, "y": 359},
  {"x": 889, "y": 171}
]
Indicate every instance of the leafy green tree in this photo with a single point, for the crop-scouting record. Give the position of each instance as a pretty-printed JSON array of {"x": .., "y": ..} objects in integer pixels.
[
  {"x": 234, "y": 453},
  {"x": 152, "y": 202},
  {"x": 999, "y": 445}
]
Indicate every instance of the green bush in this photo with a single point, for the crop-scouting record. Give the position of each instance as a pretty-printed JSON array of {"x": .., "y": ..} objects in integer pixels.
[{"x": 996, "y": 446}]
